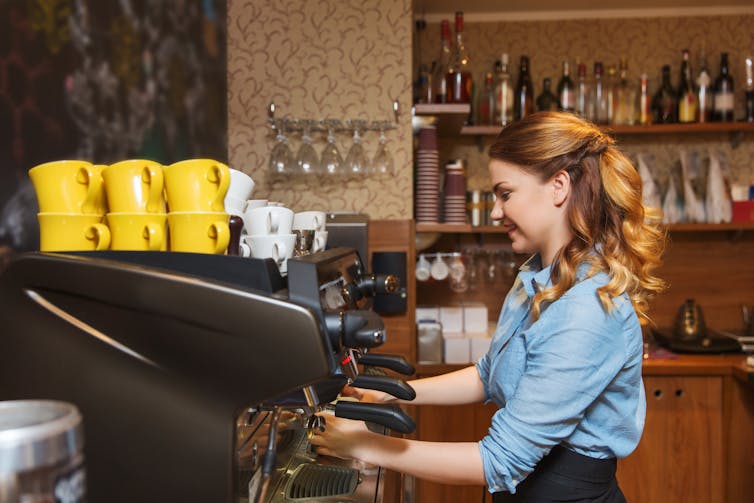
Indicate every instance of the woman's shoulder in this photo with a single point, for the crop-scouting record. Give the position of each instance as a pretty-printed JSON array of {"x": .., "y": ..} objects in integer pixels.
[{"x": 582, "y": 302}]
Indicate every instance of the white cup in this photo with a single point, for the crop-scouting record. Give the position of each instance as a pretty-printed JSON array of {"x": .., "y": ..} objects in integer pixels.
[
  {"x": 314, "y": 220},
  {"x": 241, "y": 186},
  {"x": 234, "y": 206},
  {"x": 422, "y": 268},
  {"x": 255, "y": 203},
  {"x": 439, "y": 269},
  {"x": 320, "y": 241},
  {"x": 268, "y": 220},
  {"x": 277, "y": 247}
]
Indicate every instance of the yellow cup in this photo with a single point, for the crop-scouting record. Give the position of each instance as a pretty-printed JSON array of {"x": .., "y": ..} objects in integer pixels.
[
  {"x": 199, "y": 232},
  {"x": 68, "y": 187},
  {"x": 138, "y": 231},
  {"x": 72, "y": 232},
  {"x": 196, "y": 185},
  {"x": 134, "y": 186}
]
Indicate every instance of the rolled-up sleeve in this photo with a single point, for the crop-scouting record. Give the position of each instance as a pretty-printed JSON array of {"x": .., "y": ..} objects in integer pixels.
[{"x": 573, "y": 352}]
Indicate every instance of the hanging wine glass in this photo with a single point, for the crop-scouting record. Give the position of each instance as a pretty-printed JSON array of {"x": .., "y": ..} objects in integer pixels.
[
  {"x": 281, "y": 157},
  {"x": 331, "y": 162},
  {"x": 382, "y": 163},
  {"x": 307, "y": 160},
  {"x": 356, "y": 160}
]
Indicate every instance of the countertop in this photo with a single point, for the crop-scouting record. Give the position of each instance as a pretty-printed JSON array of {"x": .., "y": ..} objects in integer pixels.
[{"x": 660, "y": 363}]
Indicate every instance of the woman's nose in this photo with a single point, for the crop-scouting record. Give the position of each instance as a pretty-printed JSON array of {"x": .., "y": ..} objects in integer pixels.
[{"x": 497, "y": 211}]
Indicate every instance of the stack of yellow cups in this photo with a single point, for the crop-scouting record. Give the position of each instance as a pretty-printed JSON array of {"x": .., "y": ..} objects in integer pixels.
[
  {"x": 72, "y": 206},
  {"x": 135, "y": 196},
  {"x": 196, "y": 190}
]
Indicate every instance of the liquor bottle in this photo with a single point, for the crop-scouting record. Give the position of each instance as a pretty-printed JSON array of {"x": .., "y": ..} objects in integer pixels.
[
  {"x": 486, "y": 104},
  {"x": 624, "y": 98},
  {"x": 749, "y": 92},
  {"x": 598, "y": 107},
  {"x": 566, "y": 89},
  {"x": 523, "y": 101},
  {"x": 704, "y": 90},
  {"x": 722, "y": 102},
  {"x": 582, "y": 92},
  {"x": 644, "y": 102},
  {"x": 503, "y": 93},
  {"x": 687, "y": 98},
  {"x": 547, "y": 100},
  {"x": 442, "y": 64},
  {"x": 459, "y": 73},
  {"x": 664, "y": 104}
]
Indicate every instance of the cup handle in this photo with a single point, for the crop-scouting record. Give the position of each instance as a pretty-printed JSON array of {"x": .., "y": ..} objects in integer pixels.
[
  {"x": 100, "y": 234},
  {"x": 220, "y": 232},
  {"x": 278, "y": 252},
  {"x": 244, "y": 250},
  {"x": 274, "y": 223},
  {"x": 219, "y": 174},
  {"x": 88, "y": 176},
  {"x": 153, "y": 235},
  {"x": 154, "y": 177}
]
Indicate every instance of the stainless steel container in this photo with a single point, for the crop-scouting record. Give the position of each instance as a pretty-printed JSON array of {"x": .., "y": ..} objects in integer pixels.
[{"x": 41, "y": 452}]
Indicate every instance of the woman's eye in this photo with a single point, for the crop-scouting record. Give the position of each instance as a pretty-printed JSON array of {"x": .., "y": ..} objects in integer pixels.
[{"x": 504, "y": 195}]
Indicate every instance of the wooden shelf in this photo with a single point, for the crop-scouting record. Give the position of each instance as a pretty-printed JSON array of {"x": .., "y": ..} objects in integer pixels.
[
  {"x": 451, "y": 117},
  {"x": 493, "y": 229},
  {"x": 705, "y": 127}
]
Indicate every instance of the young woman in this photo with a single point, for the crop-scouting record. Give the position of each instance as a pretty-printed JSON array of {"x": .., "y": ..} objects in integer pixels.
[{"x": 564, "y": 366}]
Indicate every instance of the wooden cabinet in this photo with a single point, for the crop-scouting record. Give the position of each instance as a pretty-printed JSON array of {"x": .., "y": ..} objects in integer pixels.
[{"x": 680, "y": 456}]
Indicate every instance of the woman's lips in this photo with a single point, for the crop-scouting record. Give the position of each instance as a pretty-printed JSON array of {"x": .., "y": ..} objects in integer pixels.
[{"x": 510, "y": 228}]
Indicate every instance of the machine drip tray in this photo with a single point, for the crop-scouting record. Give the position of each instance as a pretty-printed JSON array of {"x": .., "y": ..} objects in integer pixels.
[{"x": 321, "y": 481}]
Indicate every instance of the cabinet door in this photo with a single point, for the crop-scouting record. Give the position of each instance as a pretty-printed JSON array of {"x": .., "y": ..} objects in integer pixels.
[
  {"x": 467, "y": 423},
  {"x": 680, "y": 456}
]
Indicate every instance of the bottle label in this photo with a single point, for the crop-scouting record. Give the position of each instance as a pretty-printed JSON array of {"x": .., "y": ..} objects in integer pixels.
[
  {"x": 723, "y": 102},
  {"x": 567, "y": 100},
  {"x": 687, "y": 108}
]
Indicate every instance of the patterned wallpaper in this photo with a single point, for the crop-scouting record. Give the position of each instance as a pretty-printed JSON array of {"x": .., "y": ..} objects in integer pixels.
[
  {"x": 647, "y": 43},
  {"x": 327, "y": 59}
]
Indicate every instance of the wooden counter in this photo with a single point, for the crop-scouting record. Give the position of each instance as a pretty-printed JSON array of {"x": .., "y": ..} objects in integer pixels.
[{"x": 698, "y": 441}]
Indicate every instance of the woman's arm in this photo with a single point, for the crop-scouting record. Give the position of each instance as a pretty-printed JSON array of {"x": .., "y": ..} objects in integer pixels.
[
  {"x": 454, "y": 388},
  {"x": 445, "y": 462}
]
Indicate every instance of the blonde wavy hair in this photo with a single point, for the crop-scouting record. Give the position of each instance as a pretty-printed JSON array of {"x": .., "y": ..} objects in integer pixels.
[{"x": 612, "y": 229}]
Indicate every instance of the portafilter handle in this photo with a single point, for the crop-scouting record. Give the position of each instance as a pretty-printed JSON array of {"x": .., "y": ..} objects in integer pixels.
[
  {"x": 396, "y": 363},
  {"x": 394, "y": 386},
  {"x": 388, "y": 415}
]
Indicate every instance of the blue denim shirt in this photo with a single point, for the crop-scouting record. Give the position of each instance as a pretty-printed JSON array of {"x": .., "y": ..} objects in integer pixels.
[{"x": 573, "y": 377}]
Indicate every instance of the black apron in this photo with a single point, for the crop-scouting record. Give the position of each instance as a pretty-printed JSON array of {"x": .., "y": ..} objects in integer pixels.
[{"x": 564, "y": 475}]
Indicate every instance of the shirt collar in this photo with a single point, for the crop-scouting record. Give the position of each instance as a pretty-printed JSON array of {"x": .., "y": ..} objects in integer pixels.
[{"x": 533, "y": 276}]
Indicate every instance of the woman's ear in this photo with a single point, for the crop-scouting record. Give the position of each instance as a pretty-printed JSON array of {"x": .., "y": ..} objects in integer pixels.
[{"x": 561, "y": 187}]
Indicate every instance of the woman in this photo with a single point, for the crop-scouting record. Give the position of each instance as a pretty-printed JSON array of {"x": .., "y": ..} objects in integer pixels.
[{"x": 564, "y": 365}]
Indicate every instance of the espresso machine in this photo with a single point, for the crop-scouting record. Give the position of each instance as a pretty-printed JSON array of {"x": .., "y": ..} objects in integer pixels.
[{"x": 200, "y": 377}]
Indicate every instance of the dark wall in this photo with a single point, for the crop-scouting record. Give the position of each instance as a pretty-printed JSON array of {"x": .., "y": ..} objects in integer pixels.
[{"x": 105, "y": 81}]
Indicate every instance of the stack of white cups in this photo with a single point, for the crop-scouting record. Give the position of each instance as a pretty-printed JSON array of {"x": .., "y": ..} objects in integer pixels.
[{"x": 268, "y": 233}]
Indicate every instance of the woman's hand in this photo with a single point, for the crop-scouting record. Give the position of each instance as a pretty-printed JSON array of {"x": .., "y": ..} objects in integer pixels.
[
  {"x": 367, "y": 395},
  {"x": 342, "y": 438}
]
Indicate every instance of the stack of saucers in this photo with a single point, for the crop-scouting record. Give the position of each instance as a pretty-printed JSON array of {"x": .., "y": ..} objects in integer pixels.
[
  {"x": 454, "y": 201},
  {"x": 427, "y": 177}
]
